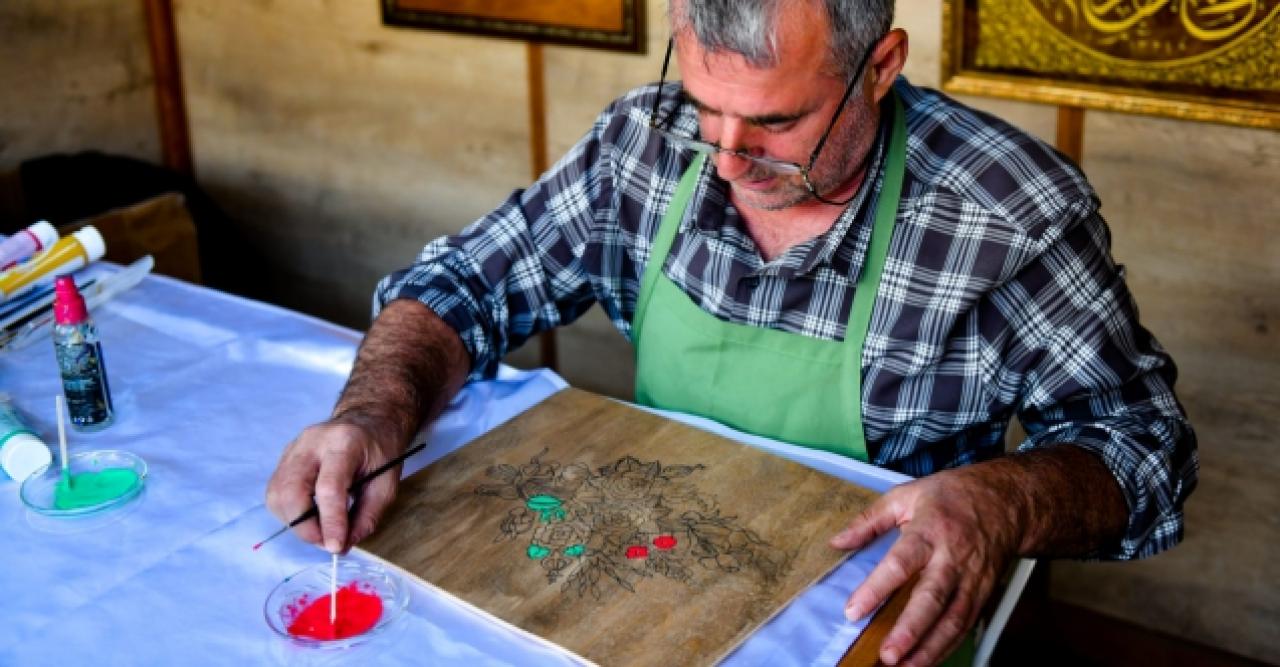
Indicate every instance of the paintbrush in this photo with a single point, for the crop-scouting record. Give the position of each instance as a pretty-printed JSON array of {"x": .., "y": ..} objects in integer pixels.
[{"x": 354, "y": 491}]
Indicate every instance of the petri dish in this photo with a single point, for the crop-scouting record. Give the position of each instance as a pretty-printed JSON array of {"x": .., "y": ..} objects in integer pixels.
[
  {"x": 303, "y": 588},
  {"x": 40, "y": 489}
]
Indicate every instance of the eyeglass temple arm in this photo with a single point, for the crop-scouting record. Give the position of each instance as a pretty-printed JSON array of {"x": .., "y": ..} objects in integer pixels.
[
  {"x": 662, "y": 79},
  {"x": 848, "y": 92}
]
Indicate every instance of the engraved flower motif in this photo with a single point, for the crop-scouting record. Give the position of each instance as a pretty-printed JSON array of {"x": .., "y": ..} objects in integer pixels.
[
  {"x": 629, "y": 480},
  {"x": 561, "y": 534}
]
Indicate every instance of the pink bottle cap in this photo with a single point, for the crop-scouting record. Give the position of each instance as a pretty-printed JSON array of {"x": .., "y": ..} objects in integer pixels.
[{"x": 68, "y": 305}]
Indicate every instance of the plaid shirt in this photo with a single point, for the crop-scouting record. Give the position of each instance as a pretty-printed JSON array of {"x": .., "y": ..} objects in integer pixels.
[{"x": 999, "y": 296}]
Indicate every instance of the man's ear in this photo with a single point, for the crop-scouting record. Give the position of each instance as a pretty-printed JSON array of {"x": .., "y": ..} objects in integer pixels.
[{"x": 887, "y": 61}]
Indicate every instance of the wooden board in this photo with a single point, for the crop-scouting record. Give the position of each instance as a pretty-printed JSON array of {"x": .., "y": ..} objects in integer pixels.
[{"x": 623, "y": 537}]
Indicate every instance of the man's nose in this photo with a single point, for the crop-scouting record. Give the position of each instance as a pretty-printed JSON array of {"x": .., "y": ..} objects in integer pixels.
[{"x": 733, "y": 133}]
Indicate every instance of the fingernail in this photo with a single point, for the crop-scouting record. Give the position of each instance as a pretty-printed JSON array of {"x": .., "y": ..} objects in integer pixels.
[
  {"x": 890, "y": 656},
  {"x": 854, "y": 613},
  {"x": 840, "y": 537},
  {"x": 332, "y": 545}
]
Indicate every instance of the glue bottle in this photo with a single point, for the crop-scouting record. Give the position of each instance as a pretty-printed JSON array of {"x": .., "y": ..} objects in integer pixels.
[
  {"x": 67, "y": 255},
  {"x": 21, "y": 451},
  {"x": 26, "y": 243},
  {"x": 84, "y": 375}
]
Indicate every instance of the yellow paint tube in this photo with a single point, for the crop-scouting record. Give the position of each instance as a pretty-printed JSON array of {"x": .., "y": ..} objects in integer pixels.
[{"x": 67, "y": 255}]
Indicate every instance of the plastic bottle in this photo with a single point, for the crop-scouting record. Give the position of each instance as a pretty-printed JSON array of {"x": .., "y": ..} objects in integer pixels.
[
  {"x": 84, "y": 374},
  {"x": 21, "y": 451},
  {"x": 65, "y": 256},
  {"x": 26, "y": 243}
]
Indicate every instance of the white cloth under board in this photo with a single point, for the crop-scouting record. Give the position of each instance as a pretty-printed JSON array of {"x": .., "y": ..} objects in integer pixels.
[{"x": 208, "y": 390}]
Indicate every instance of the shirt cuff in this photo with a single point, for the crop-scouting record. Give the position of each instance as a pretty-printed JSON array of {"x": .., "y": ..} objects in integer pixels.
[{"x": 1153, "y": 482}]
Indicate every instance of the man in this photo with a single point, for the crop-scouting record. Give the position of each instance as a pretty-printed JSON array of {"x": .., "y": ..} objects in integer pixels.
[{"x": 803, "y": 245}]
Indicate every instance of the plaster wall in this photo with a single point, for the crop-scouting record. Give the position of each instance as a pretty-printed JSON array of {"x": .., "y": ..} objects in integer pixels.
[{"x": 75, "y": 75}]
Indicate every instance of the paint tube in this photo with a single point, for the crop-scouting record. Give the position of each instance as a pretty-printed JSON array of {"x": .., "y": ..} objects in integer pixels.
[
  {"x": 67, "y": 255},
  {"x": 21, "y": 451},
  {"x": 26, "y": 243}
]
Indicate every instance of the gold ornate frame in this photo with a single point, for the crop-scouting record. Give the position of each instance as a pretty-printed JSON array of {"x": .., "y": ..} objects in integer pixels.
[
  {"x": 616, "y": 25},
  {"x": 962, "y": 75}
]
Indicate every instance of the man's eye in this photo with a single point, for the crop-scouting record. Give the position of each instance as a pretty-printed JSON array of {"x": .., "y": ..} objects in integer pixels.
[{"x": 778, "y": 127}]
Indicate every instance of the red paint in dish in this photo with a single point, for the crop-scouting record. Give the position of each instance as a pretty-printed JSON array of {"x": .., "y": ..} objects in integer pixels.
[
  {"x": 358, "y": 611},
  {"x": 637, "y": 552},
  {"x": 665, "y": 542}
]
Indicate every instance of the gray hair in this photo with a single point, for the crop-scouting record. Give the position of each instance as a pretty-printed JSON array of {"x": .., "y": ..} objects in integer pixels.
[{"x": 749, "y": 27}]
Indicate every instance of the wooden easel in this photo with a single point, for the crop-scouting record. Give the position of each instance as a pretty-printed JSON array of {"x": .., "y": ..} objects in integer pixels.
[
  {"x": 538, "y": 164},
  {"x": 171, "y": 108},
  {"x": 1071, "y": 132}
]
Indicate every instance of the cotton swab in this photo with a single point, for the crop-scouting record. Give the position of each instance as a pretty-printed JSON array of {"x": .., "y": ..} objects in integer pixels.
[
  {"x": 333, "y": 591},
  {"x": 62, "y": 438}
]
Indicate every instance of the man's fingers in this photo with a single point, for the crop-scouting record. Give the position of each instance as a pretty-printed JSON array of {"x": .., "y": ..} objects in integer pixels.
[
  {"x": 337, "y": 471},
  {"x": 907, "y": 557},
  {"x": 371, "y": 505},
  {"x": 877, "y": 519},
  {"x": 920, "y": 618},
  {"x": 946, "y": 634}
]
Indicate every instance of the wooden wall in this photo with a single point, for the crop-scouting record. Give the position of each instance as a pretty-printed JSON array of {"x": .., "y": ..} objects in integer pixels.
[{"x": 341, "y": 146}]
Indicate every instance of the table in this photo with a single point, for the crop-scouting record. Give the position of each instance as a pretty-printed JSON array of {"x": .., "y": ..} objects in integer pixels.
[{"x": 208, "y": 389}]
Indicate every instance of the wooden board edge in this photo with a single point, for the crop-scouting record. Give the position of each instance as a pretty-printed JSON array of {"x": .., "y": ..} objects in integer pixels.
[
  {"x": 467, "y": 606},
  {"x": 807, "y": 587}
]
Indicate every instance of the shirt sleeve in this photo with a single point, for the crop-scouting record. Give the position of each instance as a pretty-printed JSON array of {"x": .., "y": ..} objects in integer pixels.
[
  {"x": 518, "y": 270},
  {"x": 1094, "y": 378}
]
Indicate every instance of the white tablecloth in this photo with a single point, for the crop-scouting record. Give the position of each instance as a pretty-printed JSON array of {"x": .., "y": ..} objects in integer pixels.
[{"x": 208, "y": 389}]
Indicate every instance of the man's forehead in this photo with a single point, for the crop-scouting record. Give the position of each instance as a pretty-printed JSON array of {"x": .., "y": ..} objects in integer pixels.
[{"x": 727, "y": 82}]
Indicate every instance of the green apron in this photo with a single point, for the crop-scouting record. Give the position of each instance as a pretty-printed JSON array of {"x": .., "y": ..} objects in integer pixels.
[{"x": 785, "y": 386}]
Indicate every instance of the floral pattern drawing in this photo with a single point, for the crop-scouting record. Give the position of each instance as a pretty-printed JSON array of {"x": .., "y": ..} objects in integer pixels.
[{"x": 621, "y": 523}]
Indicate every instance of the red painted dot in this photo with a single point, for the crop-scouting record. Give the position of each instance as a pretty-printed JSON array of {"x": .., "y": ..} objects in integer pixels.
[
  {"x": 664, "y": 542},
  {"x": 637, "y": 552}
]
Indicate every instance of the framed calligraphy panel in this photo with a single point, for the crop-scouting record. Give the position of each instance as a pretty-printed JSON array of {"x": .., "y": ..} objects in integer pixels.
[
  {"x": 1209, "y": 60},
  {"x": 607, "y": 24}
]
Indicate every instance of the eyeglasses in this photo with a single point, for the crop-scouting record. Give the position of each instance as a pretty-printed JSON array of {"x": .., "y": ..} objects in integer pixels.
[{"x": 763, "y": 163}]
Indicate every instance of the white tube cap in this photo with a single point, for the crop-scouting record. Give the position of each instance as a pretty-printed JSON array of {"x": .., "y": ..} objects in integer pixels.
[
  {"x": 24, "y": 454},
  {"x": 91, "y": 240},
  {"x": 44, "y": 233}
]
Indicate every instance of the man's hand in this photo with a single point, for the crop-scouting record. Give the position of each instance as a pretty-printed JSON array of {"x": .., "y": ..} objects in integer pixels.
[
  {"x": 959, "y": 530},
  {"x": 958, "y": 536},
  {"x": 324, "y": 460},
  {"x": 409, "y": 365}
]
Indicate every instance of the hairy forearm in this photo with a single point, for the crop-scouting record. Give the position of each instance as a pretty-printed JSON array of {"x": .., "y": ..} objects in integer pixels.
[
  {"x": 1064, "y": 499},
  {"x": 408, "y": 367}
]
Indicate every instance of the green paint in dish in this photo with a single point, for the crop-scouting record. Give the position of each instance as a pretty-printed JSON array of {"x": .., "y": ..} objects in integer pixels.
[
  {"x": 94, "y": 488},
  {"x": 575, "y": 551},
  {"x": 538, "y": 552}
]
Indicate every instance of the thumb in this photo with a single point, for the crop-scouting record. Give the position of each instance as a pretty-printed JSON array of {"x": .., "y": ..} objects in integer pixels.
[{"x": 331, "y": 499}]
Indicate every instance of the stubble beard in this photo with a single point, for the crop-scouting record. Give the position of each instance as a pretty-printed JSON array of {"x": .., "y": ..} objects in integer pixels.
[{"x": 839, "y": 160}]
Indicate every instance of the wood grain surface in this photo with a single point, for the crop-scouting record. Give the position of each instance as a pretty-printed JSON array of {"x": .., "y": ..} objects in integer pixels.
[{"x": 623, "y": 537}]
